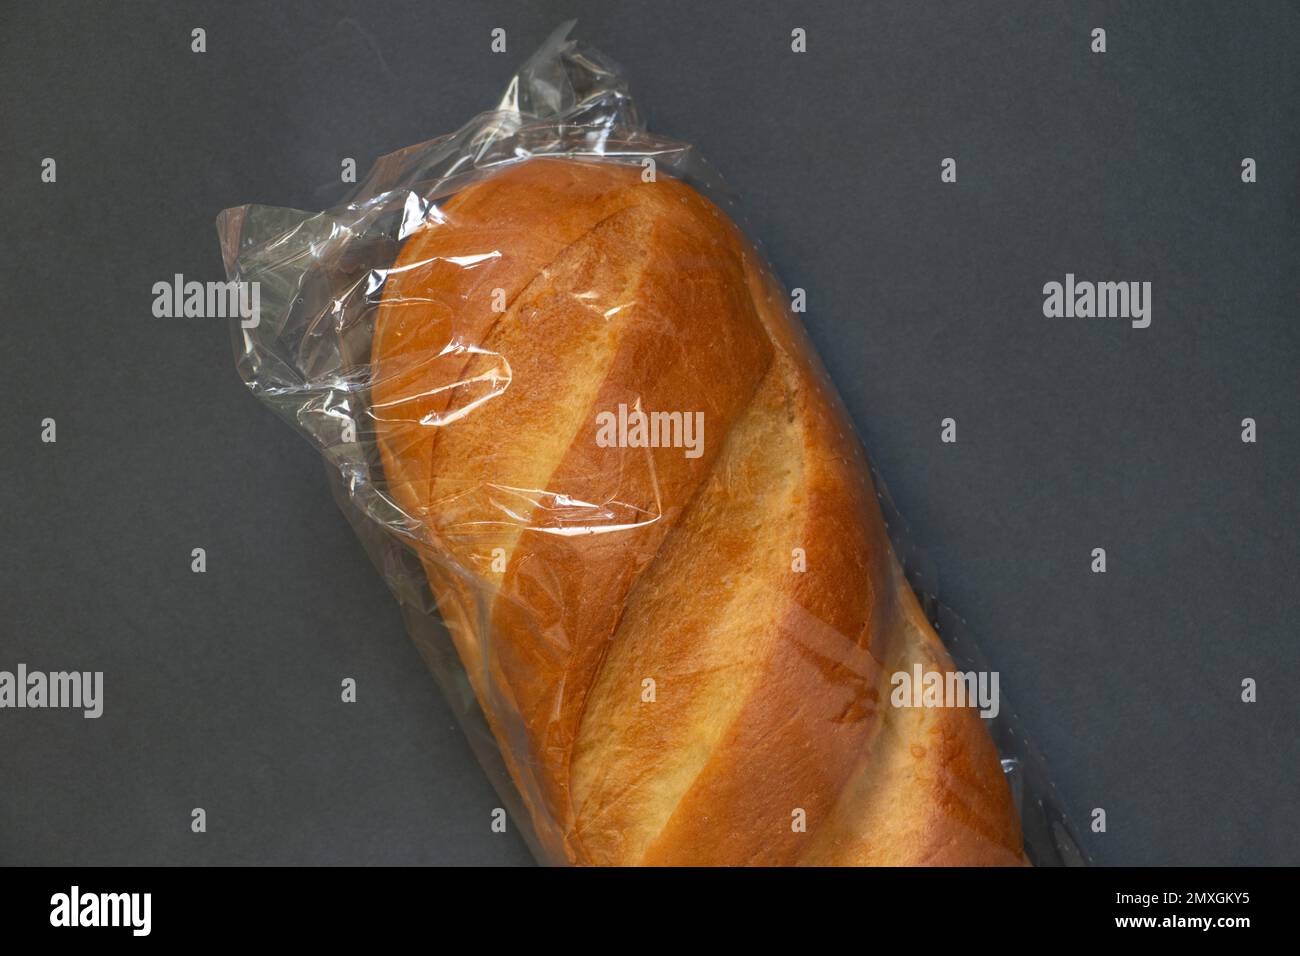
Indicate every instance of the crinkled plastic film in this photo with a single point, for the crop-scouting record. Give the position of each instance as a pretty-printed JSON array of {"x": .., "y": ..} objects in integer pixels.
[{"x": 332, "y": 284}]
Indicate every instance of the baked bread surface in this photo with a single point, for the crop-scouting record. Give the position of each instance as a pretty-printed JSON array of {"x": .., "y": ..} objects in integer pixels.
[{"x": 685, "y": 658}]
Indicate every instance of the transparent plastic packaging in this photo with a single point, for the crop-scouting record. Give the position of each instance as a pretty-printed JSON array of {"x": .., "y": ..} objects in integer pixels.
[{"x": 566, "y": 407}]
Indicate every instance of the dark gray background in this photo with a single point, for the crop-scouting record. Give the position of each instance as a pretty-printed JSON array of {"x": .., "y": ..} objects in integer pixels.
[{"x": 924, "y": 300}]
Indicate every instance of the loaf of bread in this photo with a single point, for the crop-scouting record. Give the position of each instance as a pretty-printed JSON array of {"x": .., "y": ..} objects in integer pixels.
[{"x": 655, "y": 542}]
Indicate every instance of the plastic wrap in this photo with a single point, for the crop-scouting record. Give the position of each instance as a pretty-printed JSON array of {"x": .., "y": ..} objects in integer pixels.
[{"x": 491, "y": 544}]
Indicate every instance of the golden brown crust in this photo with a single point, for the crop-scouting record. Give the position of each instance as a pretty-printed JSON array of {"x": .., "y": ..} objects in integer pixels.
[{"x": 573, "y": 576}]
